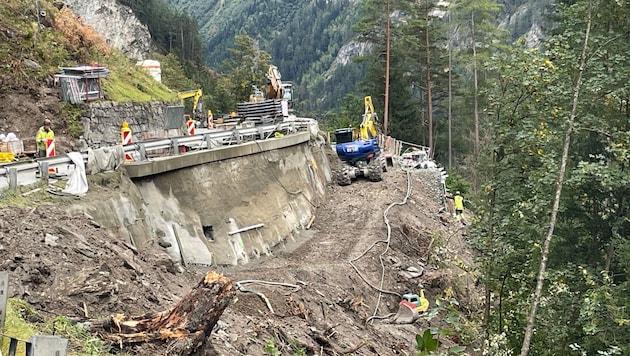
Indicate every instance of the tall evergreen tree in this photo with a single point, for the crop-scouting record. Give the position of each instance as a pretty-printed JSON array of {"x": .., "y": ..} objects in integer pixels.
[{"x": 534, "y": 110}]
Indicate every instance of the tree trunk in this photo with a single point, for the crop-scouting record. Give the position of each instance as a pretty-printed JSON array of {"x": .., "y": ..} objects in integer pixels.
[
  {"x": 529, "y": 330},
  {"x": 188, "y": 324},
  {"x": 386, "y": 106},
  {"x": 429, "y": 94}
]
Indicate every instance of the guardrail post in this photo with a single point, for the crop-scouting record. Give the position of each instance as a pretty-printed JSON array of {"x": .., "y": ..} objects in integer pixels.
[
  {"x": 13, "y": 178},
  {"x": 208, "y": 139},
  {"x": 175, "y": 146},
  {"x": 142, "y": 151},
  {"x": 237, "y": 136},
  {"x": 43, "y": 171}
]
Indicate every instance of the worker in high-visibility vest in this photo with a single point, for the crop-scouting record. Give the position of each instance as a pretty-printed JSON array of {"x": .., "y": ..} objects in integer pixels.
[
  {"x": 44, "y": 134},
  {"x": 459, "y": 205}
]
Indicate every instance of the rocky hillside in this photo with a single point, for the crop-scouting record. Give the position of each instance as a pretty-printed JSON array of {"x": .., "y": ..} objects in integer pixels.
[{"x": 117, "y": 23}]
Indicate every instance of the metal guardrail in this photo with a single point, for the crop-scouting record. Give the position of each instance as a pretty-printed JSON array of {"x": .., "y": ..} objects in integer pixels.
[{"x": 207, "y": 140}]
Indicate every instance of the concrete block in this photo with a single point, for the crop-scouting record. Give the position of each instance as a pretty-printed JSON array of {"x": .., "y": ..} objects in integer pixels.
[
  {"x": 48, "y": 345},
  {"x": 4, "y": 294}
]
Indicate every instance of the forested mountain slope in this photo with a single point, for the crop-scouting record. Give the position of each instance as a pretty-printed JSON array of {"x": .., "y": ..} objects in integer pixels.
[
  {"x": 303, "y": 37},
  {"x": 311, "y": 42}
]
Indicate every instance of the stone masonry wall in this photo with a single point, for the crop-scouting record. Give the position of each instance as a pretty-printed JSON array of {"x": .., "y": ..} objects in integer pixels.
[{"x": 102, "y": 121}]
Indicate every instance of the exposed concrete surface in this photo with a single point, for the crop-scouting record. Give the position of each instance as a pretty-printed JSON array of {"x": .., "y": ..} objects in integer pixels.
[
  {"x": 193, "y": 212},
  {"x": 170, "y": 163}
]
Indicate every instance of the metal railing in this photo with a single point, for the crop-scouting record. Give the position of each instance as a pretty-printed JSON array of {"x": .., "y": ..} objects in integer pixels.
[{"x": 208, "y": 139}]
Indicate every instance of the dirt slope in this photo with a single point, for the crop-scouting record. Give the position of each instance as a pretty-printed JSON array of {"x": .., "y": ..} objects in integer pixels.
[
  {"x": 70, "y": 266},
  {"x": 329, "y": 310}
]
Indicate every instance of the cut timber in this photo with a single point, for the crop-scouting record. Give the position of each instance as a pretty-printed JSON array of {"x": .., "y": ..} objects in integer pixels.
[{"x": 188, "y": 323}]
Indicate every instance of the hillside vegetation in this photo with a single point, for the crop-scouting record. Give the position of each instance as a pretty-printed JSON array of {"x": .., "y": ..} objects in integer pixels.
[{"x": 35, "y": 47}]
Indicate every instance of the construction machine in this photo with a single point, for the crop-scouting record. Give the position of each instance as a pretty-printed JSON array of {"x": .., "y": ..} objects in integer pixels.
[
  {"x": 359, "y": 150},
  {"x": 277, "y": 89},
  {"x": 197, "y": 105},
  {"x": 270, "y": 105}
]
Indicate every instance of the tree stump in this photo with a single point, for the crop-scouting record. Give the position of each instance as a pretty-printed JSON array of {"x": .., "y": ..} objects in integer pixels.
[{"x": 188, "y": 324}]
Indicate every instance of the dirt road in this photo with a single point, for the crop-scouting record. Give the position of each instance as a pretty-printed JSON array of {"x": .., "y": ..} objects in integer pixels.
[{"x": 328, "y": 309}]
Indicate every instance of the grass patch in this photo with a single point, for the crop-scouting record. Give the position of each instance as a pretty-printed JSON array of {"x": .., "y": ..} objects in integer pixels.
[
  {"x": 23, "y": 321},
  {"x": 16, "y": 325},
  {"x": 128, "y": 82},
  {"x": 37, "y": 195}
]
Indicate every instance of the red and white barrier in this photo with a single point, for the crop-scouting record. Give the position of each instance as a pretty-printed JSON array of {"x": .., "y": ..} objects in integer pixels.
[
  {"x": 190, "y": 126},
  {"x": 50, "y": 152},
  {"x": 126, "y": 135}
]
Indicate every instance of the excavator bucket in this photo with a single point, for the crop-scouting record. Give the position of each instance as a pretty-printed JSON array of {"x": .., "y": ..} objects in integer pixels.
[{"x": 407, "y": 313}]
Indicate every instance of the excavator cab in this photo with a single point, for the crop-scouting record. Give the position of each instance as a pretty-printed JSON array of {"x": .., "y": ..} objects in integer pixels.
[{"x": 345, "y": 135}]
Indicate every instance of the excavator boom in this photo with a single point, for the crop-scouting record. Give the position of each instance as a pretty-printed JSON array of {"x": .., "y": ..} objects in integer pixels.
[
  {"x": 275, "y": 87},
  {"x": 359, "y": 149},
  {"x": 368, "y": 125},
  {"x": 196, "y": 95}
]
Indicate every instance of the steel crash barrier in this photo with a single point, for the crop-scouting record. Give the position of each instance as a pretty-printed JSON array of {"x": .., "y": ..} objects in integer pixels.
[{"x": 21, "y": 173}]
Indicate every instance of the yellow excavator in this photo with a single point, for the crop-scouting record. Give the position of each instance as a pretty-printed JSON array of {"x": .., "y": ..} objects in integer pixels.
[
  {"x": 277, "y": 89},
  {"x": 274, "y": 83},
  {"x": 197, "y": 105},
  {"x": 270, "y": 105}
]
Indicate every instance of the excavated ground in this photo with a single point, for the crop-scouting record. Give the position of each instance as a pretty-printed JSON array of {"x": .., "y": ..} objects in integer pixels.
[{"x": 64, "y": 265}]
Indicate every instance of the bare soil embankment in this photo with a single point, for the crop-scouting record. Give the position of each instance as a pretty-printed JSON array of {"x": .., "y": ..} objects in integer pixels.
[{"x": 316, "y": 299}]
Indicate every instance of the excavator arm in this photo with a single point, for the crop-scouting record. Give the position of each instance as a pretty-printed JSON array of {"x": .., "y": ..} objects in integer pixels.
[
  {"x": 196, "y": 95},
  {"x": 368, "y": 125},
  {"x": 275, "y": 87}
]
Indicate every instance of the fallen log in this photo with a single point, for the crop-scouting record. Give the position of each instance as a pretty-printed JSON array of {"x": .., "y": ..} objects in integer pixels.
[{"x": 186, "y": 326}]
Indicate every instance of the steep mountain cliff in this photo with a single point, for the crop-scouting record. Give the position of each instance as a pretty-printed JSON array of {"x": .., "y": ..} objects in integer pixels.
[{"x": 117, "y": 23}]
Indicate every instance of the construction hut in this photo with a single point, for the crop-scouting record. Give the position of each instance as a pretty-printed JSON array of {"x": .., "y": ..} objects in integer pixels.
[{"x": 81, "y": 84}]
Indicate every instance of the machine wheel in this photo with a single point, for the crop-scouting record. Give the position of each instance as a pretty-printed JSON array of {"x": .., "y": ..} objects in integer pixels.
[
  {"x": 374, "y": 171},
  {"x": 343, "y": 177}
]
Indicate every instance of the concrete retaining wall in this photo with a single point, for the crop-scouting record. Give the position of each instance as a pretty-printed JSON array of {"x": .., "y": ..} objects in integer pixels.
[{"x": 196, "y": 211}]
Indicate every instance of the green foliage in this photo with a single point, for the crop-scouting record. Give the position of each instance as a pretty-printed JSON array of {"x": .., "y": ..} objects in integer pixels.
[
  {"x": 71, "y": 117},
  {"x": 15, "y": 324},
  {"x": 271, "y": 349},
  {"x": 246, "y": 67},
  {"x": 530, "y": 105},
  {"x": 349, "y": 114},
  {"x": 428, "y": 343},
  {"x": 425, "y": 343},
  {"x": 80, "y": 340},
  {"x": 456, "y": 182},
  {"x": 128, "y": 82}
]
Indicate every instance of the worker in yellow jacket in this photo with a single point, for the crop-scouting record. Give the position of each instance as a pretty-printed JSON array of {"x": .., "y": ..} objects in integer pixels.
[
  {"x": 44, "y": 134},
  {"x": 459, "y": 205}
]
